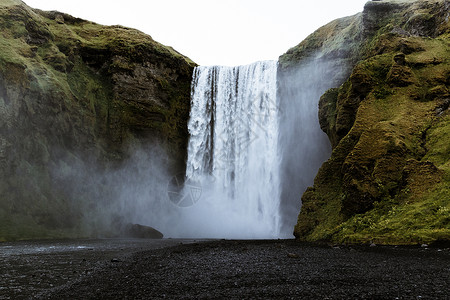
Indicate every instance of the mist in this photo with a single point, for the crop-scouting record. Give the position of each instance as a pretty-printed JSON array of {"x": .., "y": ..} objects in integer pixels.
[
  {"x": 233, "y": 188},
  {"x": 303, "y": 145},
  {"x": 105, "y": 199},
  {"x": 142, "y": 190}
]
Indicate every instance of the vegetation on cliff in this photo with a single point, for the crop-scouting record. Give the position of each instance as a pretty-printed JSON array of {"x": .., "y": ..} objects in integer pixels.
[
  {"x": 75, "y": 92},
  {"x": 388, "y": 178}
]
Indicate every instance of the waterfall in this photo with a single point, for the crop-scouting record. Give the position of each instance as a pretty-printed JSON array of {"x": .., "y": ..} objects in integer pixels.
[{"x": 233, "y": 154}]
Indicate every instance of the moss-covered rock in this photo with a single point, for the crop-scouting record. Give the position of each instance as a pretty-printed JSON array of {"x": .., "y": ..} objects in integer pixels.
[
  {"x": 338, "y": 43},
  {"x": 75, "y": 91},
  {"x": 388, "y": 178}
]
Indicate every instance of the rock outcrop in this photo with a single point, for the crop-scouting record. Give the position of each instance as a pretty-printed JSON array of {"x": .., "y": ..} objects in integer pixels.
[
  {"x": 388, "y": 178},
  {"x": 142, "y": 232},
  {"x": 73, "y": 92}
]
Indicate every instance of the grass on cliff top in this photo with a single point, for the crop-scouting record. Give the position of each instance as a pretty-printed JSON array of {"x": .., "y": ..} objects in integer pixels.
[
  {"x": 117, "y": 38},
  {"x": 70, "y": 35},
  {"x": 6, "y": 3}
]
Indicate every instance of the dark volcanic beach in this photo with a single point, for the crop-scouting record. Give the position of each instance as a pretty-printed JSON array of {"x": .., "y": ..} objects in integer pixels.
[{"x": 188, "y": 269}]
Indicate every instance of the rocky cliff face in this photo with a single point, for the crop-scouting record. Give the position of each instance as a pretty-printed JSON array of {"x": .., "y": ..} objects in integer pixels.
[
  {"x": 322, "y": 61},
  {"x": 388, "y": 178},
  {"x": 77, "y": 93}
]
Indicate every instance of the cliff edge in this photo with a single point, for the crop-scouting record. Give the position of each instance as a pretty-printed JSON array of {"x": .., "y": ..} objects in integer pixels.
[
  {"x": 388, "y": 178},
  {"x": 74, "y": 93}
]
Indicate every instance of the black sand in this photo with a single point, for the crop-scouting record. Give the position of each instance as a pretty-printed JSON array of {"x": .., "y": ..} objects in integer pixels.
[{"x": 281, "y": 269}]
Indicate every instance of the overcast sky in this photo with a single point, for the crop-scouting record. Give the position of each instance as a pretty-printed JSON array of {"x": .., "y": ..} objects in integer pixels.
[{"x": 214, "y": 32}]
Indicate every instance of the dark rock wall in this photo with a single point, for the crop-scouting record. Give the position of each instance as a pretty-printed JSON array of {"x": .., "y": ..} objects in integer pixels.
[{"x": 77, "y": 93}]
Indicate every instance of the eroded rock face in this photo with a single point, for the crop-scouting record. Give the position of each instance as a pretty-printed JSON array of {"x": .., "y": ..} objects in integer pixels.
[
  {"x": 388, "y": 177},
  {"x": 76, "y": 93}
]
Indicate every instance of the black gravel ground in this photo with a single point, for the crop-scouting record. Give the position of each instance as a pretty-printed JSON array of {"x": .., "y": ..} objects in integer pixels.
[
  {"x": 282, "y": 269},
  {"x": 30, "y": 268}
]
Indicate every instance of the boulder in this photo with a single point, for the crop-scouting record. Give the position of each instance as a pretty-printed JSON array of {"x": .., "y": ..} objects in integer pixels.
[{"x": 141, "y": 232}]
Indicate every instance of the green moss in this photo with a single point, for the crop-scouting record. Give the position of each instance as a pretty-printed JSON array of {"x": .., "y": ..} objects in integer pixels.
[
  {"x": 7, "y": 3},
  {"x": 94, "y": 93},
  {"x": 338, "y": 39},
  {"x": 423, "y": 221},
  {"x": 329, "y": 100},
  {"x": 101, "y": 90},
  {"x": 438, "y": 143},
  {"x": 8, "y": 53},
  {"x": 387, "y": 180},
  {"x": 22, "y": 227},
  {"x": 381, "y": 92}
]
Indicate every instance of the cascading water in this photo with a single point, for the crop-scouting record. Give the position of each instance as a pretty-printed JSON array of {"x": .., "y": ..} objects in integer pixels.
[
  {"x": 233, "y": 151},
  {"x": 255, "y": 145}
]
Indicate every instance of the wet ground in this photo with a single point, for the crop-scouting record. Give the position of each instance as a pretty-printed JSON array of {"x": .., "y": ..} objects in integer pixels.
[
  {"x": 139, "y": 269},
  {"x": 29, "y": 268}
]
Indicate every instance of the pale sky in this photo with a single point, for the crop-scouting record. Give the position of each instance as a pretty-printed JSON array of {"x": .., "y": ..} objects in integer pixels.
[{"x": 214, "y": 32}]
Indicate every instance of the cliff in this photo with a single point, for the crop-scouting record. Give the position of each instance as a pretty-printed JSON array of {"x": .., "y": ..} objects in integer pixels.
[
  {"x": 73, "y": 92},
  {"x": 388, "y": 120}
]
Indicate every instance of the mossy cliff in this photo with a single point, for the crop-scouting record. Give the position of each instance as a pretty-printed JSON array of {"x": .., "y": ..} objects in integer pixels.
[
  {"x": 388, "y": 178},
  {"x": 75, "y": 91}
]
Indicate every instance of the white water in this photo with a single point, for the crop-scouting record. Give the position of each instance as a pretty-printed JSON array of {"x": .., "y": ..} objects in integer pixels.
[
  {"x": 233, "y": 152},
  {"x": 255, "y": 146}
]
